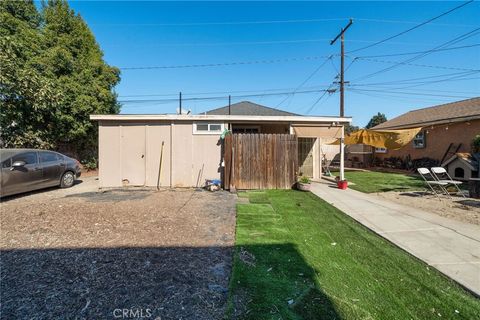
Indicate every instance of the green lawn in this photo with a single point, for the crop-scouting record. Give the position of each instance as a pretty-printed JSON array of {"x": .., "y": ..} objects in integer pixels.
[
  {"x": 370, "y": 181},
  {"x": 297, "y": 257}
]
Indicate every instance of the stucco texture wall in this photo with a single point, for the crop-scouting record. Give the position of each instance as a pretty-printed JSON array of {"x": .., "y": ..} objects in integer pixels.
[
  {"x": 438, "y": 138},
  {"x": 129, "y": 154}
]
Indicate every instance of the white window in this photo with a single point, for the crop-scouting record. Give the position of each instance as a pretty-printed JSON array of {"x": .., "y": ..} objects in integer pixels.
[
  {"x": 419, "y": 140},
  {"x": 381, "y": 150},
  {"x": 208, "y": 128}
]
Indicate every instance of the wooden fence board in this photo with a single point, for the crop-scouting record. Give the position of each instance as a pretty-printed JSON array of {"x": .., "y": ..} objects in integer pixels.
[{"x": 260, "y": 161}]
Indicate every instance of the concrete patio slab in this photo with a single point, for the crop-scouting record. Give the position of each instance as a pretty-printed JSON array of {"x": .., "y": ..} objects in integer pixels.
[{"x": 450, "y": 246}]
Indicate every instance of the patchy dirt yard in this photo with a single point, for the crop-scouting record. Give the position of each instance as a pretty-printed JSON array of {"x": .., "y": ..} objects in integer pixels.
[
  {"x": 79, "y": 253},
  {"x": 458, "y": 208}
]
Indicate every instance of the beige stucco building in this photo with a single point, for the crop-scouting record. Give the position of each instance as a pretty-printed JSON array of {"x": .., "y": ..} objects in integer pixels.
[{"x": 130, "y": 146}]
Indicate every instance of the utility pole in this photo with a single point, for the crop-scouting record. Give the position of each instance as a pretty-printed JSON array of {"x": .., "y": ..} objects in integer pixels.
[
  {"x": 341, "y": 35},
  {"x": 229, "y": 110},
  {"x": 180, "y": 104}
]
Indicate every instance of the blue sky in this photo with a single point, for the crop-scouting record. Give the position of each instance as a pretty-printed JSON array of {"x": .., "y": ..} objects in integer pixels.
[{"x": 144, "y": 34}]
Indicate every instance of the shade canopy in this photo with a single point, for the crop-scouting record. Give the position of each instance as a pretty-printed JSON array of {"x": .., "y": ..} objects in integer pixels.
[
  {"x": 305, "y": 131},
  {"x": 390, "y": 139}
]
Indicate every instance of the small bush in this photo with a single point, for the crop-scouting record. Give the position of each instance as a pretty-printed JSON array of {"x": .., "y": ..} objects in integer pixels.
[
  {"x": 90, "y": 164},
  {"x": 476, "y": 144},
  {"x": 304, "y": 179}
]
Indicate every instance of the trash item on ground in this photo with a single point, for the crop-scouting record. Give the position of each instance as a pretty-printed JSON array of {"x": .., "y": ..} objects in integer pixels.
[{"x": 213, "y": 184}]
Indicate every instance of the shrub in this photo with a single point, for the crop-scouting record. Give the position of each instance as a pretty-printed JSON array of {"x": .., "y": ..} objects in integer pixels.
[
  {"x": 304, "y": 179},
  {"x": 90, "y": 163},
  {"x": 476, "y": 144}
]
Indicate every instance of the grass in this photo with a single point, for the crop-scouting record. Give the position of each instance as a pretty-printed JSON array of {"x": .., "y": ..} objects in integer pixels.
[
  {"x": 297, "y": 257},
  {"x": 371, "y": 181}
]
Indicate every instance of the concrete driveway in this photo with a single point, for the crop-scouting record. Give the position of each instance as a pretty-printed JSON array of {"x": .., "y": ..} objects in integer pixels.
[
  {"x": 450, "y": 246},
  {"x": 83, "y": 254}
]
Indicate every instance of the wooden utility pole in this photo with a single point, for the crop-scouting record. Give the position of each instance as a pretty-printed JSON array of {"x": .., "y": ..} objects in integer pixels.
[
  {"x": 341, "y": 35},
  {"x": 229, "y": 111}
]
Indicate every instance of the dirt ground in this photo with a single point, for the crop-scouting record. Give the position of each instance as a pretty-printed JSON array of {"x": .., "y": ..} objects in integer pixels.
[
  {"x": 80, "y": 253},
  {"x": 458, "y": 208}
]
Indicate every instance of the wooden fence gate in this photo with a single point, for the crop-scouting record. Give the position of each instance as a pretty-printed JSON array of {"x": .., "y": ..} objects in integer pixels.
[{"x": 260, "y": 161}]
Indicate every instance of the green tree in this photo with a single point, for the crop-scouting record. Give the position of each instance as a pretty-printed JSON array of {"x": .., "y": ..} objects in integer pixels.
[
  {"x": 56, "y": 77},
  {"x": 27, "y": 95},
  {"x": 349, "y": 128},
  {"x": 376, "y": 120}
]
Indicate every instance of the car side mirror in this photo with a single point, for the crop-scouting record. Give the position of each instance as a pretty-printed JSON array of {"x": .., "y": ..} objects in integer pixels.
[{"x": 18, "y": 164}]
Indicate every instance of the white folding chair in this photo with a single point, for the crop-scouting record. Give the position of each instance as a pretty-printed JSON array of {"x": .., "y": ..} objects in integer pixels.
[
  {"x": 442, "y": 175},
  {"x": 432, "y": 182}
]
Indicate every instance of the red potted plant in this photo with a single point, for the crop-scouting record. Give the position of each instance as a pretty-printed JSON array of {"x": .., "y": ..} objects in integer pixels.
[{"x": 341, "y": 184}]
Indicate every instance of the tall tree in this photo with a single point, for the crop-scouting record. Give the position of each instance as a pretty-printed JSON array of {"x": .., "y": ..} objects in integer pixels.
[
  {"x": 27, "y": 95},
  {"x": 73, "y": 79},
  {"x": 376, "y": 120}
]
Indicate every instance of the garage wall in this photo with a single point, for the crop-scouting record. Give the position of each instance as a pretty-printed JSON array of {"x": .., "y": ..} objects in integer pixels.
[
  {"x": 109, "y": 163},
  {"x": 156, "y": 133},
  {"x": 129, "y": 154}
]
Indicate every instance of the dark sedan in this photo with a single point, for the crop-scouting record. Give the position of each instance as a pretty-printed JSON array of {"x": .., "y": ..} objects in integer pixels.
[{"x": 25, "y": 170}]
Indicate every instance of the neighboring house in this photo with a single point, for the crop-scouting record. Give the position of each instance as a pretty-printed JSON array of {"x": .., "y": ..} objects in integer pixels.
[
  {"x": 130, "y": 146},
  {"x": 447, "y": 129}
]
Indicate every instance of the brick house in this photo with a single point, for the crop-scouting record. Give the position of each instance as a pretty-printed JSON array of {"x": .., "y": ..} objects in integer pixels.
[{"x": 447, "y": 129}]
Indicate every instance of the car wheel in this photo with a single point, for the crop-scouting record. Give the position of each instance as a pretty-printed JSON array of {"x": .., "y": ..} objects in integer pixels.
[{"x": 67, "y": 180}]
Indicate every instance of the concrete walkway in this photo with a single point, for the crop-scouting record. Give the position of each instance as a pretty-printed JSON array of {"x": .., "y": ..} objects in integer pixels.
[{"x": 450, "y": 246}]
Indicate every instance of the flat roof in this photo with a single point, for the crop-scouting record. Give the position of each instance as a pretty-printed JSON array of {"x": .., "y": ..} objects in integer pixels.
[{"x": 203, "y": 117}]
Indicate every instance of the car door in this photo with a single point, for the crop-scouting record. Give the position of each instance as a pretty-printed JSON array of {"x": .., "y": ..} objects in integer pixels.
[
  {"x": 52, "y": 168},
  {"x": 25, "y": 178}
]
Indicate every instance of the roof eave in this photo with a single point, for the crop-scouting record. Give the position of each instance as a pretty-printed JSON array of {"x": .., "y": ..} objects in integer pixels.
[
  {"x": 428, "y": 123},
  {"x": 227, "y": 118}
]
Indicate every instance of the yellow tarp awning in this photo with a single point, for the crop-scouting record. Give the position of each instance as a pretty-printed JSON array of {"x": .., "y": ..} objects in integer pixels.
[{"x": 390, "y": 139}]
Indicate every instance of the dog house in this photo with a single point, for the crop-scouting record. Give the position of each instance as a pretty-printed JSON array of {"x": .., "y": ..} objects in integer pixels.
[{"x": 463, "y": 166}]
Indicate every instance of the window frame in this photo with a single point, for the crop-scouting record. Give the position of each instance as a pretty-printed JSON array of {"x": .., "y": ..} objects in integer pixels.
[
  {"x": 423, "y": 139},
  {"x": 208, "y": 131},
  {"x": 381, "y": 150}
]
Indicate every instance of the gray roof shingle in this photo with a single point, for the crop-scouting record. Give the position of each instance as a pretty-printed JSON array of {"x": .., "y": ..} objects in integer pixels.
[
  {"x": 449, "y": 112},
  {"x": 247, "y": 108}
]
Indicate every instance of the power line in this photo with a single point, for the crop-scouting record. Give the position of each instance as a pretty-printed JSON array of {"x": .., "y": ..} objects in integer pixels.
[
  {"x": 223, "y": 92},
  {"x": 400, "y": 81},
  {"x": 220, "y": 97},
  {"x": 400, "y": 98},
  {"x": 266, "y": 42},
  {"x": 306, "y": 80},
  {"x": 418, "y": 52},
  {"x": 413, "y": 22},
  {"x": 298, "y": 59},
  {"x": 412, "y": 88},
  {"x": 213, "y": 23},
  {"x": 412, "y": 93},
  {"x": 413, "y": 28},
  {"x": 448, "y": 43},
  {"x": 256, "y": 22},
  {"x": 416, "y": 64},
  {"x": 311, "y": 58}
]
